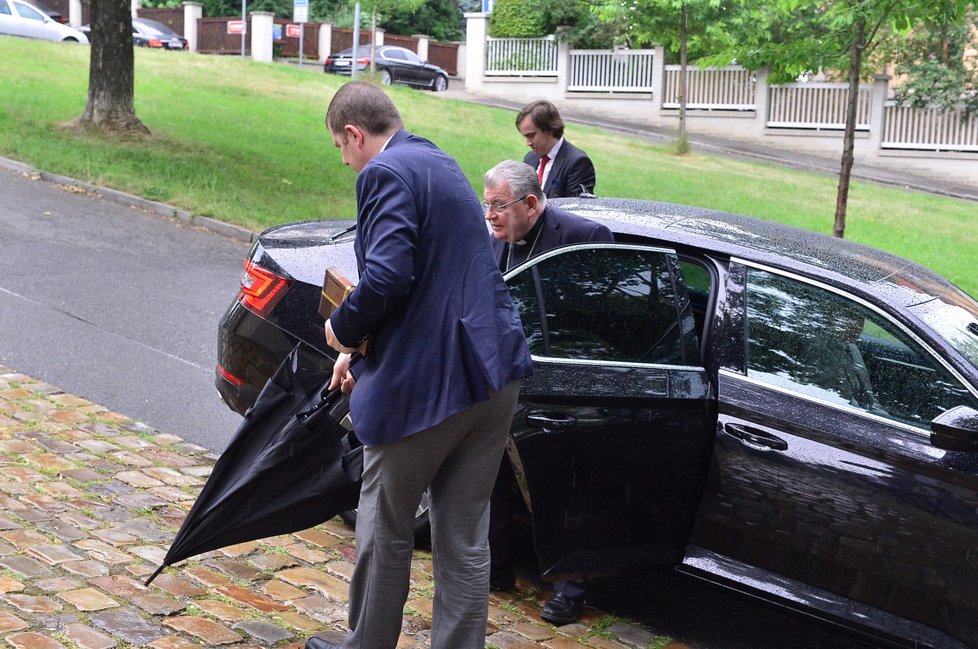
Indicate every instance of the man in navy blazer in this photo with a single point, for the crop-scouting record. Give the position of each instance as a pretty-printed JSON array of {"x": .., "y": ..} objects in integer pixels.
[
  {"x": 565, "y": 169},
  {"x": 523, "y": 225},
  {"x": 433, "y": 398}
]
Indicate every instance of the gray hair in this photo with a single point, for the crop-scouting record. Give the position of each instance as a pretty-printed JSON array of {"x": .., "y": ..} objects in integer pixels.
[{"x": 521, "y": 178}]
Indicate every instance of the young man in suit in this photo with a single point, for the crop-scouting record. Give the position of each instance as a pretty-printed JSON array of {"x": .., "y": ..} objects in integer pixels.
[
  {"x": 523, "y": 225},
  {"x": 562, "y": 169},
  {"x": 433, "y": 398}
]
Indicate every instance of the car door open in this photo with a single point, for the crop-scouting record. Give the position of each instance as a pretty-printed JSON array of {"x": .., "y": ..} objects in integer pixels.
[{"x": 612, "y": 439}]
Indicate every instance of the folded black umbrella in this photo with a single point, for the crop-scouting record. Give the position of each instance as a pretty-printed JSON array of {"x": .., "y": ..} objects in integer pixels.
[{"x": 289, "y": 467}]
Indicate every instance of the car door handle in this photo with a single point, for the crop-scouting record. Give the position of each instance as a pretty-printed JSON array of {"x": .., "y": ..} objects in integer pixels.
[
  {"x": 550, "y": 422},
  {"x": 756, "y": 439}
]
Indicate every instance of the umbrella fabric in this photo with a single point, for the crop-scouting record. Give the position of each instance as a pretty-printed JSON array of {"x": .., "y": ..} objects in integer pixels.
[{"x": 284, "y": 470}]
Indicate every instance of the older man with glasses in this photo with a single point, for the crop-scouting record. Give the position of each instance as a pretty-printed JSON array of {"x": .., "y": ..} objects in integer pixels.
[{"x": 523, "y": 225}]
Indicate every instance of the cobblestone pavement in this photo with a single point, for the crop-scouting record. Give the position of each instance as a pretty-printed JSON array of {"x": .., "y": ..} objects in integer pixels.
[{"x": 89, "y": 502}]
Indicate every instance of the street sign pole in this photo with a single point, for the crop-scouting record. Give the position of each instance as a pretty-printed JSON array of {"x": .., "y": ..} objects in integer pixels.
[
  {"x": 244, "y": 24},
  {"x": 356, "y": 40},
  {"x": 300, "y": 14}
]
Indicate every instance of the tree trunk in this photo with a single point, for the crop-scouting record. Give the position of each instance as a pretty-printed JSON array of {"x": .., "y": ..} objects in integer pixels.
[
  {"x": 110, "y": 104},
  {"x": 682, "y": 146},
  {"x": 849, "y": 139}
]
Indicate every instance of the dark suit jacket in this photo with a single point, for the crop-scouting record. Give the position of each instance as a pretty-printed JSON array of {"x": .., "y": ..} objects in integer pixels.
[
  {"x": 430, "y": 294},
  {"x": 571, "y": 170},
  {"x": 560, "y": 228}
]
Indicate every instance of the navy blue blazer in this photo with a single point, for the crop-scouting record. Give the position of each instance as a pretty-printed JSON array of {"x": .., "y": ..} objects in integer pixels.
[
  {"x": 430, "y": 294},
  {"x": 560, "y": 228},
  {"x": 571, "y": 173}
]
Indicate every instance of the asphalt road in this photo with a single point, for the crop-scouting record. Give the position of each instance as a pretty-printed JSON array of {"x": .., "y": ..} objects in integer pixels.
[
  {"x": 121, "y": 307},
  {"x": 116, "y": 305}
]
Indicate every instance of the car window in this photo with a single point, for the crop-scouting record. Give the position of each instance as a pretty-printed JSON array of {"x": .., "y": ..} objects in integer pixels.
[
  {"x": 623, "y": 304},
  {"x": 29, "y": 12},
  {"x": 412, "y": 57},
  {"x": 818, "y": 343},
  {"x": 394, "y": 54},
  {"x": 4, "y": 9}
]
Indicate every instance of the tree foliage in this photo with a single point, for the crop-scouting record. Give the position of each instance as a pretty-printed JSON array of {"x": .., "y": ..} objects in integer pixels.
[
  {"x": 517, "y": 19},
  {"x": 933, "y": 65}
]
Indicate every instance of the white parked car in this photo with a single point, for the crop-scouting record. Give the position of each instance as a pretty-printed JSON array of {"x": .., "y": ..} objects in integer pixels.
[{"x": 20, "y": 18}]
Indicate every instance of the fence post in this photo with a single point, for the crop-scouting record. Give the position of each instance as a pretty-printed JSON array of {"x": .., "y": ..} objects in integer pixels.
[
  {"x": 658, "y": 80},
  {"x": 262, "y": 23},
  {"x": 192, "y": 12},
  {"x": 135, "y": 4},
  {"x": 877, "y": 111},
  {"x": 74, "y": 13},
  {"x": 563, "y": 60},
  {"x": 476, "y": 29},
  {"x": 379, "y": 37},
  {"x": 422, "y": 46},
  {"x": 760, "y": 99},
  {"x": 325, "y": 41}
]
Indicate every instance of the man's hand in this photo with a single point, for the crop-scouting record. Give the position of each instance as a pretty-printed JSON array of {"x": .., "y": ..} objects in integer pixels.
[
  {"x": 334, "y": 343},
  {"x": 341, "y": 375}
]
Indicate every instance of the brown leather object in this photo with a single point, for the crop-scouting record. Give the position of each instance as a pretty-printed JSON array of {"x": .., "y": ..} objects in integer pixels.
[{"x": 336, "y": 286}]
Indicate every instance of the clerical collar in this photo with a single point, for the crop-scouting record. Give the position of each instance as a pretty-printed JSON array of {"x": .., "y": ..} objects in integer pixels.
[
  {"x": 522, "y": 250},
  {"x": 532, "y": 233}
]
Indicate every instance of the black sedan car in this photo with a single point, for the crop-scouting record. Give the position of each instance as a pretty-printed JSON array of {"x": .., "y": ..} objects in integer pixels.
[
  {"x": 786, "y": 414},
  {"x": 150, "y": 33},
  {"x": 394, "y": 65}
]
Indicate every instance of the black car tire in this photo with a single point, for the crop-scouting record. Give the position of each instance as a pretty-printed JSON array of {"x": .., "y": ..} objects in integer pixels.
[
  {"x": 440, "y": 84},
  {"x": 422, "y": 528},
  {"x": 385, "y": 77}
]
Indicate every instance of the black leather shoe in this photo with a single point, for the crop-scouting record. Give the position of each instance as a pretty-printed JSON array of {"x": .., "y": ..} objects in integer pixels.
[
  {"x": 319, "y": 643},
  {"x": 561, "y": 610},
  {"x": 502, "y": 579}
]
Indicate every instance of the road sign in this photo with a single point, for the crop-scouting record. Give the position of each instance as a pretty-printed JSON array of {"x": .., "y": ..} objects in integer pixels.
[
  {"x": 300, "y": 11},
  {"x": 236, "y": 27},
  {"x": 293, "y": 31}
]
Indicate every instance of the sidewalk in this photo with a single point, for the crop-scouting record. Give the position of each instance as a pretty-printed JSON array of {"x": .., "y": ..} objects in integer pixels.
[
  {"x": 90, "y": 502},
  {"x": 745, "y": 150}
]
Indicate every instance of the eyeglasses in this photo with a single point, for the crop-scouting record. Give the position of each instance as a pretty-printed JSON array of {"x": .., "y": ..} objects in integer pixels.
[{"x": 491, "y": 207}]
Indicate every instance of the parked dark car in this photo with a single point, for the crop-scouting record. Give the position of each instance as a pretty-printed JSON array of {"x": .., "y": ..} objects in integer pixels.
[
  {"x": 394, "y": 65},
  {"x": 783, "y": 413},
  {"x": 151, "y": 33}
]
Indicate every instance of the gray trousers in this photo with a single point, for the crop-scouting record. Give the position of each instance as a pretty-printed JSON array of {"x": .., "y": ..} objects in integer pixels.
[{"x": 459, "y": 459}]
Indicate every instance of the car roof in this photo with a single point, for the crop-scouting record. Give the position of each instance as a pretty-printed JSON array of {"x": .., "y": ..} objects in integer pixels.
[{"x": 879, "y": 275}]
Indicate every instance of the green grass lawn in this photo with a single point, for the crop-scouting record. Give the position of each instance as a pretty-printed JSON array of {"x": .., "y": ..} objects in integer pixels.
[{"x": 245, "y": 143}]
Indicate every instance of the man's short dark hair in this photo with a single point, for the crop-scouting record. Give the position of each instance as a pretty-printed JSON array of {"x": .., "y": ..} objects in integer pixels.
[
  {"x": 364, "y": 105},
  {"x": 545, "y": 117}
]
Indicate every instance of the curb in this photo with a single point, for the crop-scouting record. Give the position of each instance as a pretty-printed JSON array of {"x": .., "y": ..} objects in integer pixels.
[{"x": 226, "y": 229}]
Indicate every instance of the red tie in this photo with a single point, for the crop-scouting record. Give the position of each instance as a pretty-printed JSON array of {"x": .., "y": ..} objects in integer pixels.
[{"x": 543, "y": 165}]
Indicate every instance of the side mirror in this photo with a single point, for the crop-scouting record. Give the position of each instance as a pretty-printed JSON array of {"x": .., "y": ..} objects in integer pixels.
[{"x": 955, "y": 429}]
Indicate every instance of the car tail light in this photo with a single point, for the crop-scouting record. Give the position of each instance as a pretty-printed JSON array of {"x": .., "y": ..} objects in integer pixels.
[
  {"x": 363, "y": 60},
  {"x": 227, "y": 376},
  {"x": 329, "y": 60},
  {"x": 155, "y": 42},
  {"x": 261, "y": 289}
]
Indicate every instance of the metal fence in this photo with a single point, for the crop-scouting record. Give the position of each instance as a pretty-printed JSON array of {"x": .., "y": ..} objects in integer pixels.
[
  {"x": 929, "y": 129},
  {"x": 521, "y": 57},
  {"x": 816, "y": 105},
  {"x": 729, "y": 88},
  {"x": 611, "y": 71}
]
